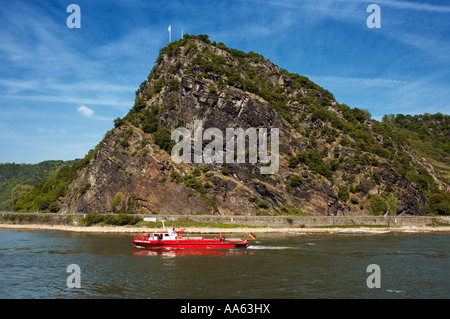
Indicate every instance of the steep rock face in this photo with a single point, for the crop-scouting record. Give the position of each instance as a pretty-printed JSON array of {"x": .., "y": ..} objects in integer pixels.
[
  {"x": 324, "y": 168},
  {"x": 140, "y": 180}
]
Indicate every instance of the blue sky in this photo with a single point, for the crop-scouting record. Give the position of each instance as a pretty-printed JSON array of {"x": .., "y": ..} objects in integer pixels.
[{"x": 61, "y": 88}]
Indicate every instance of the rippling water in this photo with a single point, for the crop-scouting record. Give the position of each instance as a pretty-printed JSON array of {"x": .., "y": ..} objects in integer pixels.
[{"x": 33, "y": 264}]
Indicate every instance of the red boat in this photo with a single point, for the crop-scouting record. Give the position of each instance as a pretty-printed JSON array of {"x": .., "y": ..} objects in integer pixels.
[{"x": 173, "y": 239}]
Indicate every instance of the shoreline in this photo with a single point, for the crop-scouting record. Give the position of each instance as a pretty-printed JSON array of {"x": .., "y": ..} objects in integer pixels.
[{"x": 212, "y": 230}]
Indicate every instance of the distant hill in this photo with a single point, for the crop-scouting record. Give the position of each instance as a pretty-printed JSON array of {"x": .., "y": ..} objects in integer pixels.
[
  {"x": 429, "y": 134},
  {"x": 12, "y": 174},
  {"x": 334, "y": 160}
]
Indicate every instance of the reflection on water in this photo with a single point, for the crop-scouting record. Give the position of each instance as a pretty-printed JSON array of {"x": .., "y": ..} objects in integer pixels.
[
  {"x": 183, "y": 252},
  {"x": 413, "y": 265}
]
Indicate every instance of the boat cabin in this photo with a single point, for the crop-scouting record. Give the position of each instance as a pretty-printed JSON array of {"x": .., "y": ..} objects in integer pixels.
[{"x": 164, "y": 235}]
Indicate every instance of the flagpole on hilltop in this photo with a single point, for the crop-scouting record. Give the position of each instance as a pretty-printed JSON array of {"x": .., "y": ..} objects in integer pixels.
[
  {"x": 170, "y": 35},
  {"x": 182, "y": 31}
]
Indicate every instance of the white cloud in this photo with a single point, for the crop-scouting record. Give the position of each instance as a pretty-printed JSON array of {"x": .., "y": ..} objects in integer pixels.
[
  {"x": 365, "y": 82},
  {"x": 53, "y": 86},
  {"x": 415, "y": 6},
  {"x": 85, "y": 111},
  {"x": 52, "y": 131},
  {"x": 71, "y": 99}
]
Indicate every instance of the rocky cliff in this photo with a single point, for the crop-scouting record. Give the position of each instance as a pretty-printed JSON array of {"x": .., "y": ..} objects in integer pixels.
[{"x": 333, "y": 160}]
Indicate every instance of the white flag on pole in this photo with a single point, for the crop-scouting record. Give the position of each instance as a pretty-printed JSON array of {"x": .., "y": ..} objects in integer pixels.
[{"x": 170, "y": 33}]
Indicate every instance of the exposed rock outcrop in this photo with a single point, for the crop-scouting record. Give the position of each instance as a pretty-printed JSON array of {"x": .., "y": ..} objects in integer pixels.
[{"x": 331, "y": 161}]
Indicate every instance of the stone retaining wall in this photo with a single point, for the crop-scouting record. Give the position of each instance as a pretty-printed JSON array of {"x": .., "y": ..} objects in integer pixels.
[
  {"x": 271, "y": 221},
  {"x": 319, "y": 221}
]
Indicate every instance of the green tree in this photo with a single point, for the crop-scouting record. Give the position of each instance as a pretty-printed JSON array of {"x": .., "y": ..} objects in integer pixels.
[
  {"x": 225, "y": 171},
  {"x": 139, "y": 104},
  {"x": 163, "y": 139},
  {"x": 439, "y": 204},
  {"x": 377, "y": 205},
  {"x": 343, "y": 193},
  {"x": 116, "y": 201},
  {"x": 391, "y": 202},
  {"x": 262, "y": 204},
  {"x": 19, "y": 192},
  {"x": 174, "y": 84},
  {"x": 295, "y": 181}
]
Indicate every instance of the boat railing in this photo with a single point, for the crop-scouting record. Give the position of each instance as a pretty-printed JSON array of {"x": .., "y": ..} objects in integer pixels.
[{"x": 141, "y": 237}]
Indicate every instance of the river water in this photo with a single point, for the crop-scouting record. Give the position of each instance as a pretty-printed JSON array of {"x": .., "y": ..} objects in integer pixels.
[{"x": 33, "y": 264}]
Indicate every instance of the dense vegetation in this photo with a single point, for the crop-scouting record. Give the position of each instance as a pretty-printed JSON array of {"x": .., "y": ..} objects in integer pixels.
[
  {"x": 108, "y": 219},
  {"x": 429, "y": 135},
  {"x": 149, "y": 121},
  {"x": 17, "y": 179},
  {"x": 43, "y": 196}
]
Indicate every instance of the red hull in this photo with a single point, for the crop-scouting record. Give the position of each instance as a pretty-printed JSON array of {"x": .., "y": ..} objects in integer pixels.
[{"x": 191, "y": 243}]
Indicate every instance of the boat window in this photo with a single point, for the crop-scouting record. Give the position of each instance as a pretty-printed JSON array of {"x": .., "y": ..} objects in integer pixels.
[{"x": 166, "y": 235}]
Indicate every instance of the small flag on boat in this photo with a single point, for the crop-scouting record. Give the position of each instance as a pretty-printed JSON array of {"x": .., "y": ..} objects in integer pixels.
[{"x": 252, "y": 236}]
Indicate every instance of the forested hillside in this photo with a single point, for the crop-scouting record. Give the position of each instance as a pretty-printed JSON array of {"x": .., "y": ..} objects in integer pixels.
[
  {"x": 429, "y": 134},
  {"x": 22, "y": 177},
  {"x": 333, "y": 159}
]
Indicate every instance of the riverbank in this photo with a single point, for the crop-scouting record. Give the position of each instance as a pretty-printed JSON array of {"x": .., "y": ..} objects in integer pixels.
[
  {"x": 216, "y": 230},
  {"x": 121, "y": 223}
]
